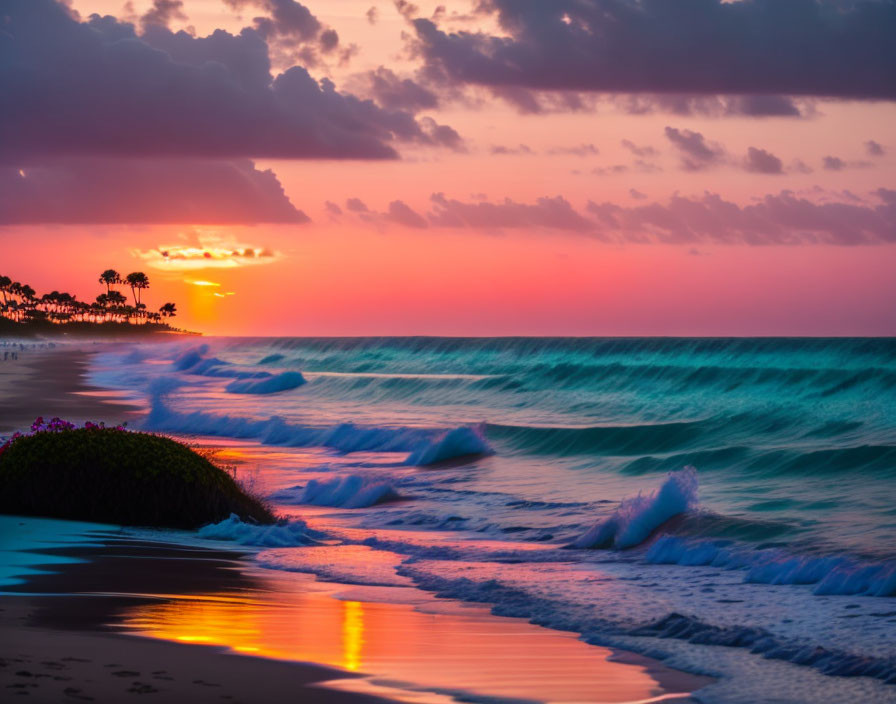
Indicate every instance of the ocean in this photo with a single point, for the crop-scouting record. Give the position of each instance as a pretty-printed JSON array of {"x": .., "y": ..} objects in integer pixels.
[{"x": 727, "y": 505}]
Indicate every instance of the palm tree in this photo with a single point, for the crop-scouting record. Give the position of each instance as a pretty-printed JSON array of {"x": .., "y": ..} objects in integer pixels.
[
  {"x": 110, "y": 277},
  {"x": 169, "y": 310},
  {"x": 137, "y": 281}
]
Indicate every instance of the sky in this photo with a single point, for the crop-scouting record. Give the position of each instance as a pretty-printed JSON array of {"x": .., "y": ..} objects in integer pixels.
[{"x": 498, "y": 167}]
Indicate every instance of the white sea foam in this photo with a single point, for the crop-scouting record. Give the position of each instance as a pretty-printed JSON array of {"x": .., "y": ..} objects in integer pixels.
[
  {"x": 639, "y": 516},
  {"x": 352, "y": 491},
  {"x": 424, "y": 445},
  {"x": 466, "y": 441},
  {"x": 282, "y": 534}
]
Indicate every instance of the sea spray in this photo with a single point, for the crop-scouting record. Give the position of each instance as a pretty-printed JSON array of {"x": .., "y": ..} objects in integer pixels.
[
  {"x": 639, "y": 516},
  {"x": 352, "y": 491},
  {"x": 293, "y": 533}
]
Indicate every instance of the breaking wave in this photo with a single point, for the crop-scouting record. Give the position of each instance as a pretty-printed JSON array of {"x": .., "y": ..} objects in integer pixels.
[
  {"x": 352, "y": 491},
  {"x": 267, "y": 385},
  {"x": 638, "y": 517}
]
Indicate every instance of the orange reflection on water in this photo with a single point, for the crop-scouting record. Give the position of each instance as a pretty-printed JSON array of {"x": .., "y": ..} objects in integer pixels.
[
  {"x": 352, "y": 634},
  {"x": 332, "y": 636},
  {"x": 452, "y": 647}
]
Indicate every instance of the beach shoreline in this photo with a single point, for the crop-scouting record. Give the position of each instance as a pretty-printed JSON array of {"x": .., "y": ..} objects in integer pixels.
[
  {"x": 61, "y": 625},
  {"x": 69, "y": 628},
  {"x": 50, "y": 382}
]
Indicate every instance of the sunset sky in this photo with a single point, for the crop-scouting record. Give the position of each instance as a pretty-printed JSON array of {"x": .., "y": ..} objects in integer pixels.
[{"x": 499, "y": 167}]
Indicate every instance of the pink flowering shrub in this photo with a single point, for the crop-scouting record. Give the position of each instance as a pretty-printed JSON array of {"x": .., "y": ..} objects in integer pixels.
[{"x": 55, "y": 425}]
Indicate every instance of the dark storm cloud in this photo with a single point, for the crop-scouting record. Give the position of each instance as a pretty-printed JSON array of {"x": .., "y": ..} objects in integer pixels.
[
  {"x": 108, "y": 190},
  {"x": 693, "y": 47},
  {"x": 98, "y": 88}
]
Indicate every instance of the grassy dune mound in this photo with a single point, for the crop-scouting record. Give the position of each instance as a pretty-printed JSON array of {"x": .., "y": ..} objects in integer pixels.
[{"x": 110, "y": 475}]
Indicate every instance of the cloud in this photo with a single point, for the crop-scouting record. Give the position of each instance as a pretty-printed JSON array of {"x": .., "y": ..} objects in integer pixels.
[
  {"x": 715, "y": 105},
  {"x": 332, "y": 208},
  {"x": 579, "y": 150},
  {"x": 637, "y": 150},
  {"x": 162, "y": 12},
  {"x": 502, "y": 150},
  {"x": 762, "y": 162},
  {"x": 356, "y": 205},
  {"x": 833, "y": 163},
  {"x": 394, "y": 92},
  {"x": 372, "y": 15},
  {"x": 205, "y": 250},
  {"x": 872, "y": 148},
  {"x": 750, "y": 47},
  {"x": 291, "y": 31},
  {"x": 101, "y": 190},
  {"x": 696, "y": 152},
  {"x": 553, "y": 213},
  {"x": 170, "y": 93},
  {"x": 784, "y": 218},
  {"x": 401, "y": 213}
]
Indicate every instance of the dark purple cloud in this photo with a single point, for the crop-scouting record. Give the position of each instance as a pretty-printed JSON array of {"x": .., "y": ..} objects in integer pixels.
[
  {"x": 108, "y": 190},
  {"x": 715, "y": 105},
  {"x": 332, "y": 208},
  {"x": 403, "y": 214},
  {"x": 578, "y": 150},
  {"x": 98, "y": 88},
  {"x": 502, "y": 150},
  {"x": 162, "y": 12},
  {"x": 553, "y": 213},
  {"x": 761, "y": 161},
  {"x": 749, "y": 47},
  {"x": 696, "y": 152},
  {"x": 776, "y": 219},
  {"x": 833, "y": 163},
  {"x": 395, "y": 92},
  {"x": 872, "y": 148},
  {"x": 637, "y": 150},
  {"x": 356, "y": 205}
]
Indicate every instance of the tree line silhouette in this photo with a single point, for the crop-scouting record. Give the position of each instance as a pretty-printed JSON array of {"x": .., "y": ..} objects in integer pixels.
[{"x": 21, "y": 304}]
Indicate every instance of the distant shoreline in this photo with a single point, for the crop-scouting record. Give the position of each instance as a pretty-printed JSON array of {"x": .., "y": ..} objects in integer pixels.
[
  {"x": 13, "y": 329},
  {"x": 53, "y": 382}
]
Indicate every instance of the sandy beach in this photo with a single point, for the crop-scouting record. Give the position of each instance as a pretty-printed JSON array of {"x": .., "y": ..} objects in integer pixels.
[
  {"x": 51, "y": 382},
  {"x": 207, "y": 615}
]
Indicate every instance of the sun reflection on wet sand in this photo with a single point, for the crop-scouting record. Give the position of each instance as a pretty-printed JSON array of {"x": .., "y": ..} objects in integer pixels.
[
  {"x": 352, "y": 634},
  {"x": 438, "y": 646}
]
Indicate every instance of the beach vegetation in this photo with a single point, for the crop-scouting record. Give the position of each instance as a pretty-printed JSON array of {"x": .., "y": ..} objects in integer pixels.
[
  {"x": 23, "y": 311},
  {"x": 113, "y": 475}
]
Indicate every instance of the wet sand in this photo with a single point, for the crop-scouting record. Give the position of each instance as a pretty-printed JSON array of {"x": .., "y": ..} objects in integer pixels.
[
  {"x": 217, "y": 629},
  {"x": 53, "y": 383},
  {"x": 215, "y": 626}
]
